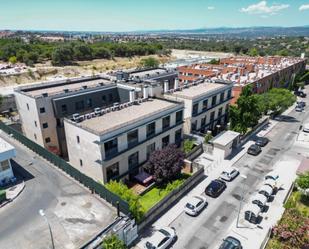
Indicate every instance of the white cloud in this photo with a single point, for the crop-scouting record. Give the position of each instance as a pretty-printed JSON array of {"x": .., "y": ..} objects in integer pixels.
[
  {"x": 210, "y": 7},
  {"x": 304, "y": 7},
  {"x": 263, "y": 8}
]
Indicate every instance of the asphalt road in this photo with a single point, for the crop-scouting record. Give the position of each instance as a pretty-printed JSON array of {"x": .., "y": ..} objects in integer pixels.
[
  {"x": 210, "y": 227},
  {"x": 74, "y": 214}
]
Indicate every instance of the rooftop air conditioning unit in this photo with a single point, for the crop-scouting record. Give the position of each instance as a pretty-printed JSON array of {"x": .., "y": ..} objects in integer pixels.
[
  {"x": 84, "y": 87},
  {"x": 45, "y": 94},
  {"x": 66, "y": 90},
  {"x": 97, "y": 111}
]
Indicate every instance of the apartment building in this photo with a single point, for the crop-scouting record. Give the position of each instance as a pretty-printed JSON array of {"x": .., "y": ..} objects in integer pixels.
[
  {"x": 117, "y": 142},
  {"x": 42, "y": 107},
  {"x": 7, "y": 152},
  {"x": 261, "y": 72},
  {"x": 206, "y": 104}
]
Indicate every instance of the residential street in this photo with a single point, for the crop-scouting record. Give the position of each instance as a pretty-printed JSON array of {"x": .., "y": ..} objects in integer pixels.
[{"x": 207, "y": 230}]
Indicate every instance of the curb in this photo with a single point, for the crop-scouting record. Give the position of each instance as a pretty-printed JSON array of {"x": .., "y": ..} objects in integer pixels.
[{"x": 12, "y": 199}]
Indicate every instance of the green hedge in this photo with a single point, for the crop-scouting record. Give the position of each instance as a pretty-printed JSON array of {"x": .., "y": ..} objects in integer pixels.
[{"x": 2, "y": 196}]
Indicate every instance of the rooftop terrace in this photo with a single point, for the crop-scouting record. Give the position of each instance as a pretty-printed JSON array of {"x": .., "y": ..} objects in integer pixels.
[{"x": 128, "y": 115}]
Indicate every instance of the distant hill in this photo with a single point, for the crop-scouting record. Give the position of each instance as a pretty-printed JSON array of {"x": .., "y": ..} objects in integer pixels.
[{"x": 244, "y": 32}]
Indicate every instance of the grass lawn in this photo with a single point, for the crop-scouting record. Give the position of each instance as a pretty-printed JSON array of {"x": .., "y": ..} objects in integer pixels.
[
  {"x": 156, "y": 194},
  {"x": 296, "y": 213}
]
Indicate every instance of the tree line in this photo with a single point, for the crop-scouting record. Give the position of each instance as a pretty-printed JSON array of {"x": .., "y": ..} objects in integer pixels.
[{"x": 64, "y": 53}]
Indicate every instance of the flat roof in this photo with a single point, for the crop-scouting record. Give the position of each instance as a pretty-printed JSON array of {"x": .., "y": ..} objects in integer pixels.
[
  {"x": 198, "y": 90},
  {"x": 5, "y": 146},
  {"x": 151, "y": 72},
  {"x": 58, "y": 87},
  {"x": 121, "y": 118},
  {"x": 225, "y": 138}
]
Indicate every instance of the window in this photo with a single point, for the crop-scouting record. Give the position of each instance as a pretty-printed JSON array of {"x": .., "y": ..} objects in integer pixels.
[
  {"x": 47, "y": 140},
  {"x": 222, "y": 97},
  {"x": 112, "y": 171},
  {"x": 89, "y": 102},
  {"x": 111, "y": 147},
  {"x": 103, "y": 98},
  {"x": 203, "y": 121},
  {"x": 166, "y": 122},
  {"x": 190, "y": 74},
  {"x": 132, "y": 137},
  {"x": 178, "y": 136},
  {"x": 214, "y": 100},
  {"x": 64, "y": 109},
  {"x": 179, "y": 117},
  {"x": 229, "y": 94},
  {"x": 133, "y": 160},
  {"x": 194, "y": 125},
  {"x": 36, "y": 124},
  {"x": 151, "y": 129},
  {"x": 79, "y": 105},
  {"x": 212, "y": 116},
  {"x": 163, "y": 241},
  {"x": 205, "y": 104},
  {"x": 150, "y": 148},
  {"x": 35, "y": 136},
  {"x": 77, "y": 139},
  {"x": 28, "y": 107},
  {"x": 110, "y": 97},
  {"x": 220, "y": 112},
  {"x": 4, "y": 165},
  {"x": 165, "y": 141},
  {"x": 81, "y": 162},
  {"x": 42, "y": 110},
  {"x": 195, "y": 109},
  {"x": 45, "y": 125}
]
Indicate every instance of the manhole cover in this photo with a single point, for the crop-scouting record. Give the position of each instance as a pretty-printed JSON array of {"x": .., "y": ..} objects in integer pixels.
[
  {"x": 223, "y": 219},
  {"x": 63, "y": 203}
]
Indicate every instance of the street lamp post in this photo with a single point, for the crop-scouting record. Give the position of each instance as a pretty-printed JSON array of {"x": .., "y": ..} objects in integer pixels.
[
  {"x": 244, "y": 177},
  {"x": 41, "y": 212}
]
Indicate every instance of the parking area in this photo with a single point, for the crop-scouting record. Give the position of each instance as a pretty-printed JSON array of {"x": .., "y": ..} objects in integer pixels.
[{"x": 75, "y": 215}]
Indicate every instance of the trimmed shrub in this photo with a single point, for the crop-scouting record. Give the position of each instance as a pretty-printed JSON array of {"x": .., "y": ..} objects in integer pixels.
[{"x": 2, "y": 196}]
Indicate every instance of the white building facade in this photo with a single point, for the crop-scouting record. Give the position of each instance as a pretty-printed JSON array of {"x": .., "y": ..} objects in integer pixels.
[{"x": 116, "y": 144}]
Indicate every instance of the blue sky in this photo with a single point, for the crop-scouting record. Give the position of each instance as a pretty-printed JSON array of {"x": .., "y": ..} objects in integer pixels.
[{"x": 131, "y": 15}]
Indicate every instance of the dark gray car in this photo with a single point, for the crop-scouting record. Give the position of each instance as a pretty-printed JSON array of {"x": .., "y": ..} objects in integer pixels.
[{"x": 230, "y": 243}]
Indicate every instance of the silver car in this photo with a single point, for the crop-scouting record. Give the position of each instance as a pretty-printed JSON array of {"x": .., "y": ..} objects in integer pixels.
[
  {"x": 195, "y": 205},
  {"x": 229, "y": 174},
  {"x": 161, "y": 239}
]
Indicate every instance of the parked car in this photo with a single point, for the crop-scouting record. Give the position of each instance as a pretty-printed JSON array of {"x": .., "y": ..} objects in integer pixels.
[
  {"x": 271, "y": 183},
  {"x": 272, "y": 175},
  {"x": 215, "y": 188},
  {"x": 252, "y": 213},
  {"x": 259, "y": 200},
  {"x": 161, "y": 239},
  {"x": 301, "y": 103},
  {"x": 230, "y": 243},
  {"x": 229, "y": 174},
  {"x": 266, "y": 190},
  {"x": 306, "y": 127},
  {"x": 300, "y": 94},
  {"x": 298, "y": 108},
  {"x": 195, "y": 205},
  {"x": 262, "y": 141},
  {"x": 254, "y": 150}
]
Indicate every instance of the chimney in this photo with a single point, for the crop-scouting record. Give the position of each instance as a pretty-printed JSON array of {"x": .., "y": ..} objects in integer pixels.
[
  {"x": 176, "y": 85},
  {"x": 166, "y": 86},
  {"x": 146, "y": 92},
  {"x": 132, "y": 95}
]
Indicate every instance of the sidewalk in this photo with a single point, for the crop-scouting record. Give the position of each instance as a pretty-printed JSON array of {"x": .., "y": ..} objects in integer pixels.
[{"x": 13, "y": 192}]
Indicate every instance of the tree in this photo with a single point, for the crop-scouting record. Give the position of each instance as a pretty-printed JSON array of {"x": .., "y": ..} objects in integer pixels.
[
  {"x": 303, "y": 180},
  {"x": 166, "y": 164},
  {"x": 247, "y": 111},
  {"x": 102, "y": 53},
  {"x": 207, "y": 138},
  {"x": 82, "y": 52},
  {"x": 13, "y": 59},
  {"x": 113, "y": 242},
  {"x": 62, "y": 55},
  {"x": 253, "y": 52},
  {"x": 214, "y": 61},
  {"x": 149, "y": 62}
]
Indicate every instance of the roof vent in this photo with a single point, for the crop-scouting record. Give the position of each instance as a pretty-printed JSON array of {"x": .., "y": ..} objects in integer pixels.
[
  {"x": 84, "y": 87},
  {"x": 101, "y": 84},
  {"x": 66, "y": 90},
  {"x": 45, "y": 94}
]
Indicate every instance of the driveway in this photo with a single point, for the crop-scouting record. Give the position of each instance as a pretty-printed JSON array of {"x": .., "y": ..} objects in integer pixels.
[{"x": 75, "y": 215}]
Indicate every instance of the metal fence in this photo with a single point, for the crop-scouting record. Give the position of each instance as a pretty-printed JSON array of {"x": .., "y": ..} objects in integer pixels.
[{"x": 88, "y": 182}]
